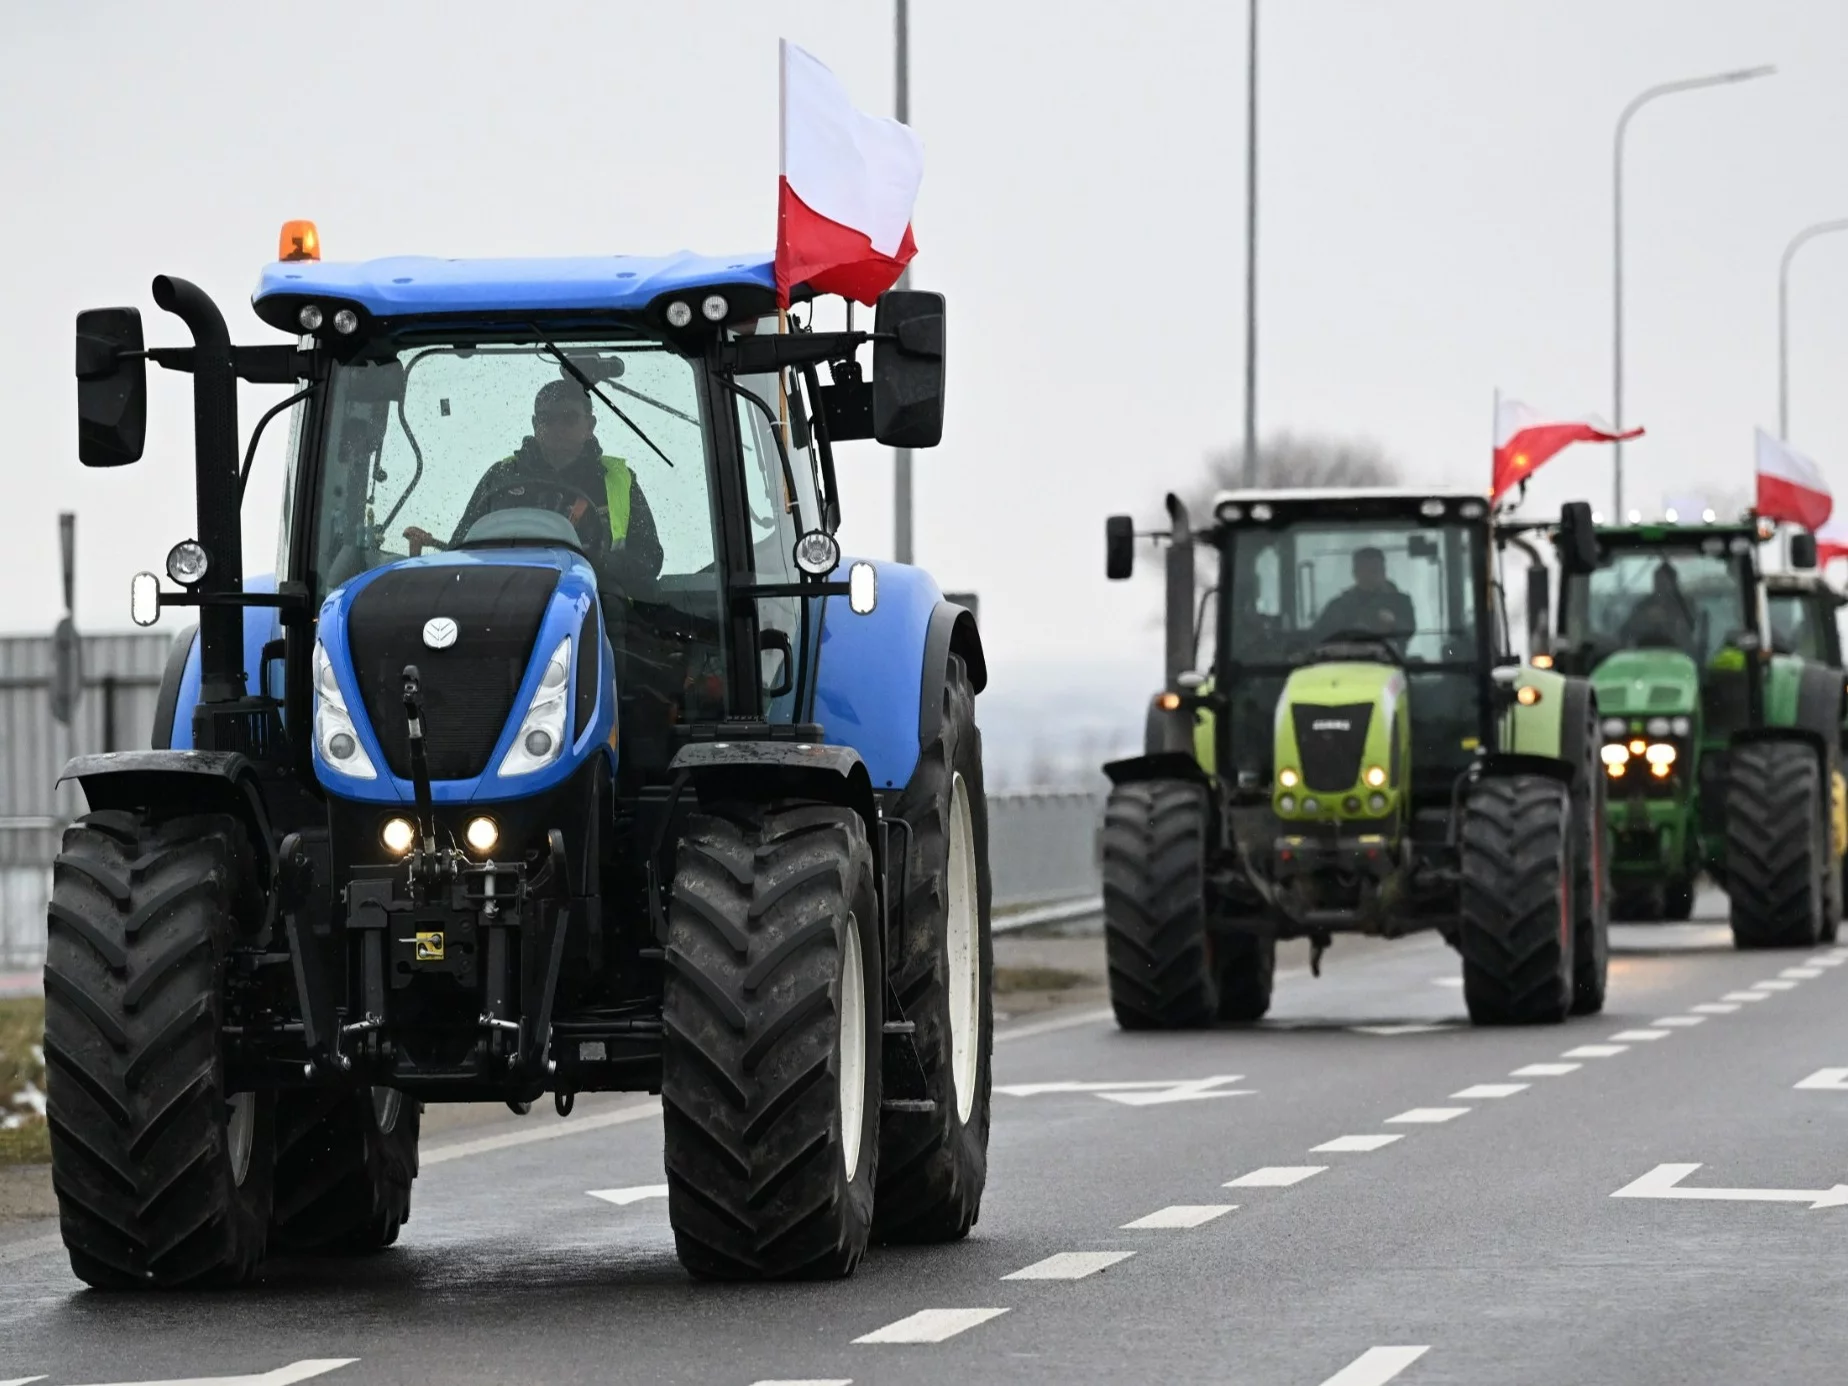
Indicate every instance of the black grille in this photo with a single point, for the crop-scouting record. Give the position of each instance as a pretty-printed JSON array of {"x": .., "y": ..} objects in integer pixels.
[
  {"x": 590, "y": 665},
  {"x": 1330, "y": 740},
  {"x": 469, "y": 687}
]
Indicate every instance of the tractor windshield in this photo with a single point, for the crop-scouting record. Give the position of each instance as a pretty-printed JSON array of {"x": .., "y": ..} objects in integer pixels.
[
  {"x": 1800, "y": 624},
  {"x": 1690, "y": 598}
]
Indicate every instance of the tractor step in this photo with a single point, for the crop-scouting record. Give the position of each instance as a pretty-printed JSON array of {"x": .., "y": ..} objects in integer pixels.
[
  {"x": 899, "y": 1027},
  {"x": 908, "y": 1104}
]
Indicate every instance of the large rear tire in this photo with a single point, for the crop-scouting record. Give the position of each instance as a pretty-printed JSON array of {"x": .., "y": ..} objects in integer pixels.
[
  {"x": 1517, "y": 924},
  {"x": 1776, "y": 845},
  {"x": 345, "y": 1162},
  {"x": 770, "y": 1069},
  {"x": 1163, "y": 971},
  {"x": 933, "y": 1165},
  {"x": 162, "y": 1174}
]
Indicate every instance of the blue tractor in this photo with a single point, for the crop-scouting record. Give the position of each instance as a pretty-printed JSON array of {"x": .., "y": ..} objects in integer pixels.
[{"x": 557, "y": 756}]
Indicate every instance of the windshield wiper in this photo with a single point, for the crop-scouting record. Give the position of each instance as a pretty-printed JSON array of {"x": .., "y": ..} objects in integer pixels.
[{"x": 590, "y": 387}]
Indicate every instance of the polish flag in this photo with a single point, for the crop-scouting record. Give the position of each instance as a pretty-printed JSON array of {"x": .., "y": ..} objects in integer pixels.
[
  {"x": 1832, "y": 541},
  {"x": 1525, "y": 438},
  {"x": 849, "y": 183},
  {"x": 1790, "y": 485}
]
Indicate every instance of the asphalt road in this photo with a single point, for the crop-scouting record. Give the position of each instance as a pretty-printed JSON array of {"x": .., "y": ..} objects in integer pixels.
[{"x": 1358, "y": 1191}]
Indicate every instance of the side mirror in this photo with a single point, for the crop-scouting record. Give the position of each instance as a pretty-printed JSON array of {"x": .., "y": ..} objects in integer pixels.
[
  {"x": 1578, "y": 538},
  {"x": 112, "y": 387},
  {"x": 1803, "y": 549},
  {"x": 1119, "y": 547},
  {"x": 908, "y": 357},
  {"x": 1539, "y": 609}
]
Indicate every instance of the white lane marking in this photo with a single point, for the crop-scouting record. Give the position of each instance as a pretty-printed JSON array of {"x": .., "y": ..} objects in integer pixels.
[
  {"x": 1180, "y": 1215},
  {"x": 1447, "y": 982},
  {"x": 1069, "y": 1265},
  {"x": 1825, "y": 960},
  {"x": 930, "y": 1326},
  {"x": 1639, "y": 1035},
  {"x": 1408, "y": 1028},
  {"x": 1746, "y": 996},
  {"x": 579, "y": 1126},
  {"x": 1047, "y": 1027},
  {"x": 1827, "y": 1079},
  {"x": 1427, "y": 1116},
  {"x": 281, "y": 1376},
  {"x": 622, "y": 1198},
  {"x": 1342, "y": 1145},
  {"x": 1802, "y": 974},
  {"x": 1595, "y": 1051},
  {"x": 809, "y": 1381},
  {"x": 1774, "y": 984},
  {"x": 1714, "y": 1007},
  {"x": 1664, "y": 1182},
  {"x": 1491, "y": 1090},
  {"x": 1545, "y": 1070},
  {"x": 1275, "y": 1177},
  {"x": 28, "y": 1380},
  {"x": 1679, "y": 1022},
  {"x": 1137, "y": 1092},
  {"x": 1376, "y": 1366}
]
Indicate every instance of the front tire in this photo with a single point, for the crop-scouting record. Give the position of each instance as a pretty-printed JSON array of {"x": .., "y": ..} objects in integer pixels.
[
  {"x": 770, "y": 1069},
  {"x": 345, "y": 1163},
  {"x": 1517, "y": 924},
  {"x": 1776, "y": 845},
  {"x": 1163, "y": 971},
  {"x": 933, "y": 1166},
  {"x": 162, "y": 1174}
]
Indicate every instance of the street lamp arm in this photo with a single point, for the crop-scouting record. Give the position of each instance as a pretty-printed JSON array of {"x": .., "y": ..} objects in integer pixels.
[
  {"x": 1797, "y": 242},
  {"x": 1718, "y": 79}
]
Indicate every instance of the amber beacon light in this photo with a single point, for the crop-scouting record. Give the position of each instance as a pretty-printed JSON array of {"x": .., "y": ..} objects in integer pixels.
[{"x": 299, "y": 241}]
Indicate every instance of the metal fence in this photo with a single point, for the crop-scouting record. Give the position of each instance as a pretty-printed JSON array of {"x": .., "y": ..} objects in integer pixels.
[{"x": 1043, "y": 845}]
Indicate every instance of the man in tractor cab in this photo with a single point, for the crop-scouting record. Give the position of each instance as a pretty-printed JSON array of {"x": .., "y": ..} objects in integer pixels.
[
  {"x": 1374, "y": 605},
  {"x": 1664, "y": 618},
  {"x": 567, "y": 471}
]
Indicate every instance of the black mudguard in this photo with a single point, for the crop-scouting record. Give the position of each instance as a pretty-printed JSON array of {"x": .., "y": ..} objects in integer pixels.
[
  {"x": 952, "y": 630},
  {"x": 170, "y": 783}
]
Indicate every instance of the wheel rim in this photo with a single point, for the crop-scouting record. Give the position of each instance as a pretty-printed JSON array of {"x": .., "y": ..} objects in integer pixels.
[
  {"x": 240, "y": 1133},
  {"x": 853, "y": 1049},
  {"x": 962, "y": 929},
  {"x": 386, "y": 1104}
]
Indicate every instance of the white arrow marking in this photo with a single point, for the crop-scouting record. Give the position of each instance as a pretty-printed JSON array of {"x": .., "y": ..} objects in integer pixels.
[
  {"x": 1664, "y": 1182},
  {"x": 282, "y": 1376},
  {"x": 1405, "y": 1029},
  {"x": 622, "y": 1198},
  {"x": 22, "y": 1380},
  {"x": 1138, "y": 1093},
  {"x": 1827, "y": 1079},
  {"x": 1376, "y": 1366}
]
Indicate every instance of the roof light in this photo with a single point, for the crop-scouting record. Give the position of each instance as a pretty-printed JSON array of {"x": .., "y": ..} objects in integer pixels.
[
  {"x": 678, "y": 314},
  {"x": 1472, "y": 509},
  {"x": 1542, "y": 661},
  {"x": 299, "y": 241},
  {"x": 1431, "y": 509},
  {"x": 1230, "y": 512},
  {"x": 1636, "y": 517},
  {"x": 713, "y": 308},
  {"x": 1597, "y": 517},
  {"x": 1672, "y": 515},
  {"x": 1260, "y": 512},
  {"x": 1707, "y": 517}
]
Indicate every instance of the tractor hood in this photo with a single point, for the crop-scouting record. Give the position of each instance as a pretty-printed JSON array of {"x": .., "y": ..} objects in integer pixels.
[{"x": 1638, "y": 683}]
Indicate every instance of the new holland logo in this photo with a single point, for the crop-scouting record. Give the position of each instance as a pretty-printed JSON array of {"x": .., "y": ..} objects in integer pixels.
[
  {"x": 1331, "y": 724},
  {"x": 439, "y": 633}
]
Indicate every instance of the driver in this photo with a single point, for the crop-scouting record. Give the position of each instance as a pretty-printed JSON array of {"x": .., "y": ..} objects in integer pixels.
[
  {"x": 1373, "y": 605},
  {"x": 569, "y": 471},
  {"x": 1663, "y": 618}
]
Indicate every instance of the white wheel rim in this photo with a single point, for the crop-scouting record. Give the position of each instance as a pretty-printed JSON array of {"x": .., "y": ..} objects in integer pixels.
[
  {"x": 961, "y": 940},
  {"x": 386, "y": 1104},
  {"x": 240, "y": 1133},
  {"x": 853, "y": 1049}
]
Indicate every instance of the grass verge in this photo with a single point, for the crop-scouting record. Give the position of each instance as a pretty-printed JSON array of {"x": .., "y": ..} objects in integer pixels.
[{"x": 24, "y": 1138}]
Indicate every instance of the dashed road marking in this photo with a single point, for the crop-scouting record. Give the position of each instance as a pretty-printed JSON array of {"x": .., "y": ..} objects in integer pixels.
[
  {"x": 1447, "y": 982},
  {"x": 1069, "y": 1265},
  {"x": 930, "y": 1326},
  {"x": 1635, "y": 1036},
  {"x": 1746, "y": 996},
  {"x": 1826, "y": 960},
  {"x": 1827, "y": 1080},
  {"x": 1595, "y": 1051},
  {"x": 1546, "y": 1070},
  {"x": 1275, "y": 1177},
  {"x": 1775, "y": 984},
  {"x": 282, "y": 1376},
  {"x": 1802, "y": 974},
  {"x": 1715, "y": 1007},
  {"x": 1179, "y": 1215},
  {"x": 622, "y": 1198},
  {"x": 1491, "y": 1090},
  {"x": 1342, "y": 1145},
  {"x": 803, "y": 1381},
  {"x": 1679, "y": 1022},
  {"x": 1376, "y": 1366},
  {"x": 1427, "y": 1116}
]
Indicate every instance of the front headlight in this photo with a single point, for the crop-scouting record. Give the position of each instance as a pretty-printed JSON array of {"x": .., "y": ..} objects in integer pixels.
[
  {"x": 541, "y": 737},
  {"x": 334, "y": 732}
]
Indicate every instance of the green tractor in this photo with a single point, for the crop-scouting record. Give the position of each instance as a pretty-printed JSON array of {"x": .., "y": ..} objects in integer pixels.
[
  {"x": 1360, "y": 754},
  {"x": 1722, "y": 742}
]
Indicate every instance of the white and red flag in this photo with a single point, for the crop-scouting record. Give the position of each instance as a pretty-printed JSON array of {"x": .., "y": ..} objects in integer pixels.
[
  {"x": 1525, "y": 438},
  {"x": 849, "y": 182},
  {"x": 1790, "y": 485},
  {"x": 1832, "y": 540}
]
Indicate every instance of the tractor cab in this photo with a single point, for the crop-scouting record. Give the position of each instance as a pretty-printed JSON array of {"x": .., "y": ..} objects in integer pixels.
[{"x": 1805, "y": 616}]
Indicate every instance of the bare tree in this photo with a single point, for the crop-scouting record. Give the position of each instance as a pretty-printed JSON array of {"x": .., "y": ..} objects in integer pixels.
[{"x": 1296, "y": 461}]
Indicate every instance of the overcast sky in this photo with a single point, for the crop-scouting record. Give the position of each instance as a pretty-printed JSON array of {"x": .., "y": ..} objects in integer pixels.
[{"x": 1435, "y": 223}]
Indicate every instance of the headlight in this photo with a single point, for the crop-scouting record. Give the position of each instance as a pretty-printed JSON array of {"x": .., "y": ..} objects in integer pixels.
[
  {"x": 334, "y": 732},
  {"x": 1615, "y": 754},
  {"x": 483, "y": 835},
  {"x": 1288, "y": 778},
  {"x": 187, "y": 562},
  {"x": 397, "y": 835},
  {"x": 1657, "y": 727},
  {"x": 1660, "y": 754},
  {"x": 1377, "y": 802},
  {"x": 540, "y": 739},
  {"x": 1682, "y": 726},
  {"x": 1286, "y": 804},
  {"x": 1615, "y": 727},
  {"x": 1376, "y": 777}
]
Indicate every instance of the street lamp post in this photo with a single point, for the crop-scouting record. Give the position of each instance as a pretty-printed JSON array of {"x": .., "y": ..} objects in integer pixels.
[
  {"x": 1718, "y": 79},
  {"x": 1808, "y": 233},
  {"x": 1251, "y": 245}
]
